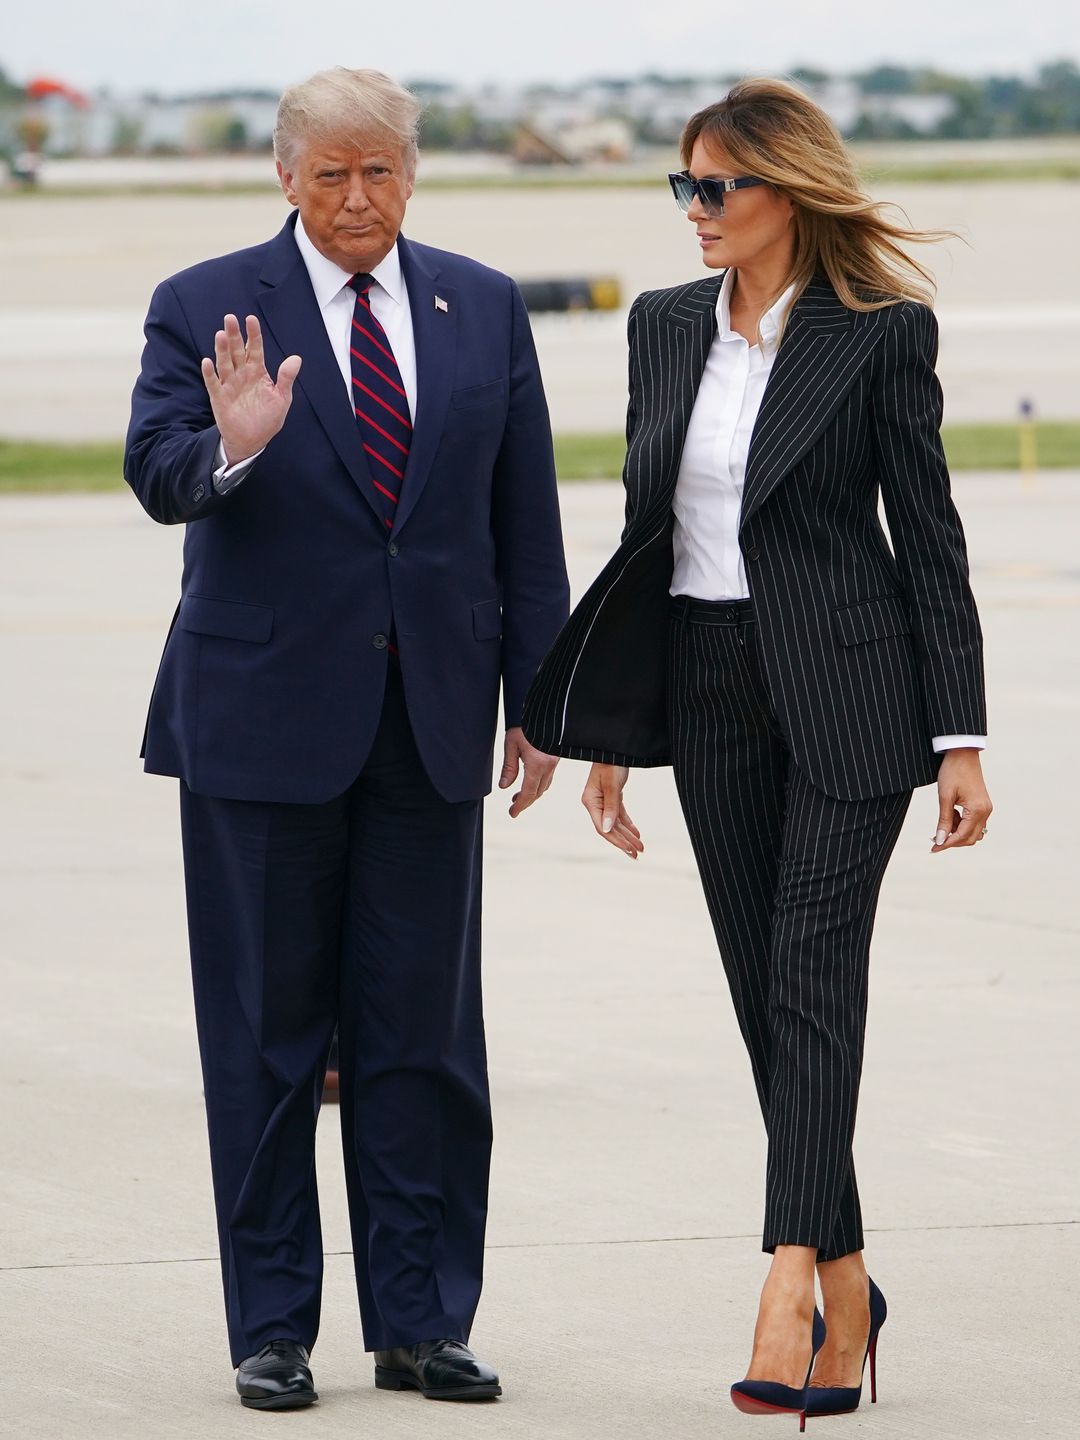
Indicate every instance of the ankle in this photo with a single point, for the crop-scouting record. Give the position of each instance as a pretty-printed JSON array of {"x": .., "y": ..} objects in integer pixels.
[
  {"x": 791, "y": 1276},
  {"x": 844, "y": 1281}
]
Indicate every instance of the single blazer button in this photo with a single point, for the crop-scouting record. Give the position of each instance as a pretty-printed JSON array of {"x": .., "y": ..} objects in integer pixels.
[
  {"x": 753, "y": 553},
  {"x": 198, "y": 493},
  {"x": 380, "y": 642},
  {"x": 393, "y": 547}
]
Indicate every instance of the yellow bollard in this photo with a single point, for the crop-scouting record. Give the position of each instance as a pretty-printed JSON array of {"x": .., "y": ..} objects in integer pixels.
[{"x": 1029, "y": 445}]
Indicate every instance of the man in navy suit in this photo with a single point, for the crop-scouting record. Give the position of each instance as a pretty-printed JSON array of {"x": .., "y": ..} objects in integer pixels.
[{"x": 373, "y": 546}]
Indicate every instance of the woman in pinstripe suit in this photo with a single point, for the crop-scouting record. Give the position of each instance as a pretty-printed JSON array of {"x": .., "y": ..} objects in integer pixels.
[{"x": 757, "y": 631}]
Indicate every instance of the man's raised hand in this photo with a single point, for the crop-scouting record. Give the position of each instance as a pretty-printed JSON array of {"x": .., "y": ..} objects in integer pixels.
[{"x": 248, "y": 406}]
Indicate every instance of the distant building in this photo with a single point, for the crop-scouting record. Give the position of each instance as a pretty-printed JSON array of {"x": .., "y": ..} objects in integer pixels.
[
  {"x": 149, "y": 123},
  {"x": 595, "y": 141},
  {"x": 596, "y": 121}
]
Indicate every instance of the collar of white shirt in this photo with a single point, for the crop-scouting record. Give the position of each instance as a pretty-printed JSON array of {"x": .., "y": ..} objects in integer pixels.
[
  {"x": 768, "y": 326},
  {"x": 328, "y": 280}
]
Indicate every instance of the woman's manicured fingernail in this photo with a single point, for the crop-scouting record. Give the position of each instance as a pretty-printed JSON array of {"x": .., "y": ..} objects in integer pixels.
[
  {"x": 609, "y": 824},
  {"x": 941, "y": 837}
]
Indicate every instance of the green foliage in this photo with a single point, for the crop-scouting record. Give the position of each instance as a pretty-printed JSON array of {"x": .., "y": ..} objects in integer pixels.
[
  {"x": 447, "y": 128},
  {"x": 9, "y": 91},
  {"x": 127, "y": 132},
  {"x": 807, "y": 75},
  {"x": 981, "y": 109},
  {"x": 888, "y": 80},
  {"x": 882, "y": 127},
  {"x": 219, "y": 129}
]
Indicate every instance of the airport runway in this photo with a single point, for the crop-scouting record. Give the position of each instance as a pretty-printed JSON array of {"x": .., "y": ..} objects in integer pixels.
[
  {"x": 76, "y": 275},
  {"x": 623, "y": 1264}
]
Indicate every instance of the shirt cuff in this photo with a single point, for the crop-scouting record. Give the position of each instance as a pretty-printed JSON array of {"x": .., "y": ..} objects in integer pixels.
[
  {"x": 959, "y": 742},
  {"x": 226, "y": 477}
]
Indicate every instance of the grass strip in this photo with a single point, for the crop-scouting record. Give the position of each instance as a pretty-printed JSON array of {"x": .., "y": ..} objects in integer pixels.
[
  {"x": 968, "y": 447},
  {"x": 28, "y": 466},
  {"x": 32, "y": 465}
]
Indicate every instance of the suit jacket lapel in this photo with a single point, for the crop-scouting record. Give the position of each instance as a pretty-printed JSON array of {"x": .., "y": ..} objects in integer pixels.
[
  {"x": 689, "y": 322},
  {"x": 292, "y": 316},
  {"x": 436, "y": 332},
  {"x": 824, "y": 347}
]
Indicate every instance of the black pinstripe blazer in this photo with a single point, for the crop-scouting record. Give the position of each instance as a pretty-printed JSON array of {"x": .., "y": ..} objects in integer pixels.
[{"x": 869, "y": 651}]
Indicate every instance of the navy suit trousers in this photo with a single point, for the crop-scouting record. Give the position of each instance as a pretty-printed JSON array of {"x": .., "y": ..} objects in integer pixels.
[{"x": 361, "y": 913}]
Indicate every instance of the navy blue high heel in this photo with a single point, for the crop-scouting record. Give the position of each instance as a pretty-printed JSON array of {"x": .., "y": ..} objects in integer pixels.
[
  {"x": 766, "y": 1397},
  {"x": 842, "y": 1399}
]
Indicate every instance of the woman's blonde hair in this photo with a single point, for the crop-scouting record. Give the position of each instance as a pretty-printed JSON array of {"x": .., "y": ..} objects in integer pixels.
[
  {"x": 356, "y": 107},
  {"x": 771, "y": 130}
]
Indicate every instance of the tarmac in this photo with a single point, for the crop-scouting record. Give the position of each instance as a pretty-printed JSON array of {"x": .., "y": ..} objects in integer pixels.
[
  {"x": 624, "y": 1260},
  {"x": 77, "y": 273}
]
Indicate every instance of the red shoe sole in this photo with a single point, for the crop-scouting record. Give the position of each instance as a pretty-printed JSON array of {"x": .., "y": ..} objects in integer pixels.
[{"x": 750, "y": 1406}]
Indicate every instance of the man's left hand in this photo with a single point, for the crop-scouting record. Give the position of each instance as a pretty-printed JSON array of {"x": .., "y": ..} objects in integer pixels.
[{"x": 537, "y": 770}]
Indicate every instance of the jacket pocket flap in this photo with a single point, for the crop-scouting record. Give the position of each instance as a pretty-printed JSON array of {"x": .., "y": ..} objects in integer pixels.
[
  {"x": 231, "y": 619},
  {"x": 871, "y": 620},
  {"x": 487, "y": 620},
  {"x": 478, "y": 394}
]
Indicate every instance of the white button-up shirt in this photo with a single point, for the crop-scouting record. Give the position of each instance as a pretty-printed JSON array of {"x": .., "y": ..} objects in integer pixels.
[
  {"x": 709, "y": 488},
  {"x": 708, "y": 493},
  {"x": 389, "y": 300}
]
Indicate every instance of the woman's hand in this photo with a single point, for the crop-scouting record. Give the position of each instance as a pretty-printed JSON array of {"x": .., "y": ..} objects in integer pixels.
[
  {"x": 603, "y": 800},
  {"x": 963, "y": 802}
]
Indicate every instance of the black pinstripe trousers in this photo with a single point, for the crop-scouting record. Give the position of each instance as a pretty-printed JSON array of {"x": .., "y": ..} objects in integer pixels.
[{"x": 791, "y": 878}]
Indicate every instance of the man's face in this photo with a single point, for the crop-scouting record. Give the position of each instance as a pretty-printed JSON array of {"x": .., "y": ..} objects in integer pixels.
[{"x": 352, "y": 201}]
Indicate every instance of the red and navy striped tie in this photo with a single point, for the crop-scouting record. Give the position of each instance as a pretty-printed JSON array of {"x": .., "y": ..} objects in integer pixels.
[{"x": 382, "y": 407}]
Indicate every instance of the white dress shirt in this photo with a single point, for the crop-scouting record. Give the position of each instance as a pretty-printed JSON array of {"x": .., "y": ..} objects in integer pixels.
[
  {"x": 708, "y": 491},
  {"x": 389, "y": 300}
]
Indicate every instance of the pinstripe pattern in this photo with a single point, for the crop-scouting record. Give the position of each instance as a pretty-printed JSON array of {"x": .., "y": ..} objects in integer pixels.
[
  {"x": 868, "y": 651},
  {"x": 791, "y": 878}
]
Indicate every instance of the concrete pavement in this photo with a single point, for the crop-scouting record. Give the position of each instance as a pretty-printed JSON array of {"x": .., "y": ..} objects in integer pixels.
[
  {"x": 624, "y": 1262},
  {"x": 77, "y": 272}
]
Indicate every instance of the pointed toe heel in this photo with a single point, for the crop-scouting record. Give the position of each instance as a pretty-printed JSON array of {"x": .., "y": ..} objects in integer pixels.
[
  {"x": 840, "y": 1399},
  {"x": 767, "y": 1397}
]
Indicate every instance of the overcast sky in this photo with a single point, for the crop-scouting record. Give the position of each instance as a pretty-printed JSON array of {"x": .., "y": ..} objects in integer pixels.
[{"x": 177, "y": 45}]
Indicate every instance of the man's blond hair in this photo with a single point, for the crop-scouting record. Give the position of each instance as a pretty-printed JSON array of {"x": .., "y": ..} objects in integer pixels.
[{"x": 358, "y": 108}]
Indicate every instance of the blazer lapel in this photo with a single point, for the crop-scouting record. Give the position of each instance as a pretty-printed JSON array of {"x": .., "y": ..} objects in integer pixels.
[
  {"x": 436, "y": 330},
  {"x": 292, "y": 315},
  {"x": 824, "y": 347},
  {"x": 687, "y": 323},
  {"x": 695, "y": 305}
]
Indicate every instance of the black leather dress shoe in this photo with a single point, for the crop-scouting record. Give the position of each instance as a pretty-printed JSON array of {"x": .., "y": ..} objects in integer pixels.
[
  {"x": 277, "y": 1378},
  {"x": 439, "y": 1369}
]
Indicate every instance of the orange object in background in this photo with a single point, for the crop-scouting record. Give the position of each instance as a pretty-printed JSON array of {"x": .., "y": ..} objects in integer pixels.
[{"x": 43, "y": 86}]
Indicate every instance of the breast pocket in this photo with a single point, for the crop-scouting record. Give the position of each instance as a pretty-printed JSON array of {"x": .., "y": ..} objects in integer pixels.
[{"x": 473, "y": 396}]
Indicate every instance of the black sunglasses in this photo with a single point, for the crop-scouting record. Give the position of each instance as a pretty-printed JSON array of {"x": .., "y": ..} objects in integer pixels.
[{"x": 710, "y": 192}]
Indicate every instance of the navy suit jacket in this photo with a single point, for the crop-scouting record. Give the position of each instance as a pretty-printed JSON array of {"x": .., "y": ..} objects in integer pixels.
[{"x": 271, "y": 683}]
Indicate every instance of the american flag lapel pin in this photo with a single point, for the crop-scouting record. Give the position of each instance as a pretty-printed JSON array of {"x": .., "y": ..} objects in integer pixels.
[{"x": 441, "y": 305}]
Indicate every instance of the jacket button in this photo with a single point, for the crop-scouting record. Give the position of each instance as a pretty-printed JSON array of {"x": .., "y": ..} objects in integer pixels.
[
  {"x": 198, "y": 493},
  {"x": 380, "y": 642},
  {"x": 392, "y": 548},
  {"x": 753, "y": 553}
]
